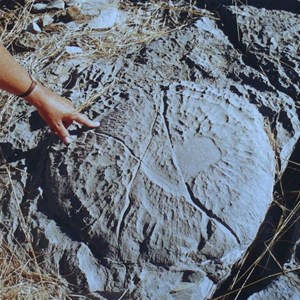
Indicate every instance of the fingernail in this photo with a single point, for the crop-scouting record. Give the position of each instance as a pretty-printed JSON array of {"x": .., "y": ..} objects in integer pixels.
[
  {"x": 96, "y": 123},
  {"x": 67, "y": 140}
]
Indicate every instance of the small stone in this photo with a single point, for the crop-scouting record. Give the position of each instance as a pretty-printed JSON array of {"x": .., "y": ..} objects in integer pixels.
[
  {"x": 73, "y": 50},
  {"x": 43, "y": 7},
  {"x": 72, "y": 25},
  {"x": 47, "y": 20},
  {"x": 34, "y": 28},
  {"x": 107, "y": 19},
  {"x": 39, "y": 7}
]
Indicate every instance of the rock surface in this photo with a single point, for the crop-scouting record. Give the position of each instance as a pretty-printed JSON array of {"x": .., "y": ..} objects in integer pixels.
[
  {"x": 157, "y": 201},
  {"x": 285, "y": 287},
  {"x": 272, "y": 47}
]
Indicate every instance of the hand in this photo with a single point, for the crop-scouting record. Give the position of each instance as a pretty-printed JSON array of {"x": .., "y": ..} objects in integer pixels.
[{"x": 57, "y": 112}]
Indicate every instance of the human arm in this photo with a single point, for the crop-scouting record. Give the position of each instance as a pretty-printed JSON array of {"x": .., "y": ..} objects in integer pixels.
[{"x": 56, "y": 111}]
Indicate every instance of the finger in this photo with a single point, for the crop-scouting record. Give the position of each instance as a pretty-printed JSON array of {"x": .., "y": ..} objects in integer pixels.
[
  {"x": 63, "y": 133},
  {"x": 84, "y": 120},
  {"x": 53, "y": 130}
]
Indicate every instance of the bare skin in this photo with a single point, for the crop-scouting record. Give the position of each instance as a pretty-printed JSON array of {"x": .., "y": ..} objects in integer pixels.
[{"x": 56, "y": 111}]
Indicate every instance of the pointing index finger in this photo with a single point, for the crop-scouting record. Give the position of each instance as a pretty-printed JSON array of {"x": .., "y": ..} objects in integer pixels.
[{"x": 84, "y": 120}]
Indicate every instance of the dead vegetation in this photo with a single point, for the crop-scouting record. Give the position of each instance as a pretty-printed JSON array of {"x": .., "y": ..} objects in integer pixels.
[{"x": 22, "y": 276}]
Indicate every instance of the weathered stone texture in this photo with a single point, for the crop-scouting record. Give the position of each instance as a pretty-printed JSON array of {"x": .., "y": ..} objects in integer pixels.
[
  {"x": 158, "y": 199},
  {"x": 273, "y": 46},
  {"x": 285, "y": 287},
  {"x": 146, "y": 201}
]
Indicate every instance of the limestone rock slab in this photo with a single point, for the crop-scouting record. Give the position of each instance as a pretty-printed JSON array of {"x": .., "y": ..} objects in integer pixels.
[
  {"x": 161, "y": 182},
  {"x": 158, "y": 199}
]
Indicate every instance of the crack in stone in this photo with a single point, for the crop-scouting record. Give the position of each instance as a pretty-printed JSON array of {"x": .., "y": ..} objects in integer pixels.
[
  {"x": 127, "y": 206},
  {"x": 118, "y": 140},
  {"x": 209, "y": 212},
  {"x": 193, "y": 200}
]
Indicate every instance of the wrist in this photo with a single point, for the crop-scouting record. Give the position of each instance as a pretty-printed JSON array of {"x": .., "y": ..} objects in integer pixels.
[
  {"x": 36, "y": 96},
  {"x": 30, "y": 89}
]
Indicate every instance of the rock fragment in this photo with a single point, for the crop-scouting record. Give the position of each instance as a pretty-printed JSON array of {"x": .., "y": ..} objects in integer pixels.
[
  {"x": 107, "y": 19},
  {"x": 47, "y": 20},
  {"x": 34, "y": 28},
  {"x": 73, "y": 50},
  {"x": 49, "y": 6}
]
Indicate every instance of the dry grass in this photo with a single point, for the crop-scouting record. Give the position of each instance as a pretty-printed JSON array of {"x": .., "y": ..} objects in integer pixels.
[
  {"x": 21, "y": 279},
  {"x": 21, "y": 274}
]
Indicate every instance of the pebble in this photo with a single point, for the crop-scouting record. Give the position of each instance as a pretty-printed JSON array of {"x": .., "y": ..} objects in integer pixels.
[
  {"x": 73, "y": 50},
  {"x": 107, "y": 19},
  {"x": 34, "y": 28},
  {"x": 47, "y": 20},
  {"x": 43, "y": 7}
]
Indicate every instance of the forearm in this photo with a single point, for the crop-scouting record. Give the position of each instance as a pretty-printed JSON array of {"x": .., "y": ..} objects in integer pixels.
[
  {"x": 16, "y": 80},
  {"x": 57, "y": 111},
  {"x": 13, "y": 77}
]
